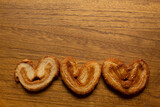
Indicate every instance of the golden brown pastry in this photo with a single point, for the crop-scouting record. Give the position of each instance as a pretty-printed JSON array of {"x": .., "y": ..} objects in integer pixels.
[
  {"x": 37, "y": 78},
  {"x": 126, "y": 80},
  {"x": 81, "y": 81}
]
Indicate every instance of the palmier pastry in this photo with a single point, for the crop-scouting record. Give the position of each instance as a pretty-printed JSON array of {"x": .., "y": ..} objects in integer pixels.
[
  {"x": 37, "y": 78},
  {"x": 81, "y": 81},
  {"x": 129, "y": 80}
]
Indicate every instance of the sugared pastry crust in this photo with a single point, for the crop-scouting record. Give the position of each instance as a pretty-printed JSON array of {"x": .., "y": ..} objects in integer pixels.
[
  {"x": 81, "y": 81},
  {"x": 37, "y": 78},
  {"x": 126, "y": 80}
]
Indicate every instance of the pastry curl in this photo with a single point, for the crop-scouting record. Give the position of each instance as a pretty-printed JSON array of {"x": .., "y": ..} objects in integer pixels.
[
  {"x": 81, "y": 81},
  {"x": 129, "y": 80},
  {"x": 36, "y": 78}
]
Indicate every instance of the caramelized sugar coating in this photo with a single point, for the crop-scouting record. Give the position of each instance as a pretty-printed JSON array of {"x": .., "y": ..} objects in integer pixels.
[
  {"x": 36, "y": 78},
  {"x": 81, "y": 81},
  {"x": 127, "y": 80}
]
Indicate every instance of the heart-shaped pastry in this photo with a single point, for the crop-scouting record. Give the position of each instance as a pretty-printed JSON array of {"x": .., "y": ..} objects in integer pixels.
[
  {"x": 81, "y": 81},
  {"x": 129, "y": 80},
  {"x": 37, "y": 78}
]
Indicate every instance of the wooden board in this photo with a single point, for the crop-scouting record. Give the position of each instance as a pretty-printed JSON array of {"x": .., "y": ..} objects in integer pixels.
[{"x": 88, "y": 30}]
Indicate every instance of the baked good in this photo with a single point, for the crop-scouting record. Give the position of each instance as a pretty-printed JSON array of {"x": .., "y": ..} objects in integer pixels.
[
  {"x": 83, "y": 80},
  {"x": 36, "y": 78},
  {"x": 127, "y": 80}
]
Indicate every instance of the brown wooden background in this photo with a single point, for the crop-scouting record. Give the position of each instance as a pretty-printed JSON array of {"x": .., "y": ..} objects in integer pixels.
[{"x": 88, "y": 30}]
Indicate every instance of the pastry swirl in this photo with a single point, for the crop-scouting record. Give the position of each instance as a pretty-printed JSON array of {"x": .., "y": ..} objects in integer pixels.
[
  {"x": 36, "y": 78},
  {"x": 129, "y": 80},
  {"x": 81, "y": 81}
]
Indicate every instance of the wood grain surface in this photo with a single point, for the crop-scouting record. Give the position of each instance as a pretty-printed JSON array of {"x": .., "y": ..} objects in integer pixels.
[{"x": 88, "y": 30}]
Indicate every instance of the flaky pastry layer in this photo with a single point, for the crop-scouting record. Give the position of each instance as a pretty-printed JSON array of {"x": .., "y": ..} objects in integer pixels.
[
  {"x": 36, "y": 78},
  {"x": 83, "y": 80},
  {"x": 127, "y": 80}
]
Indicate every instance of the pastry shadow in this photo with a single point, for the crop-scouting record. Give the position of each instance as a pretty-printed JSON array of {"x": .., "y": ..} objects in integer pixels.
[
  {"x": 124, "y": 96},
  {"x": 42, "y": 90},
  {"x": 77, "y": 95}
]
